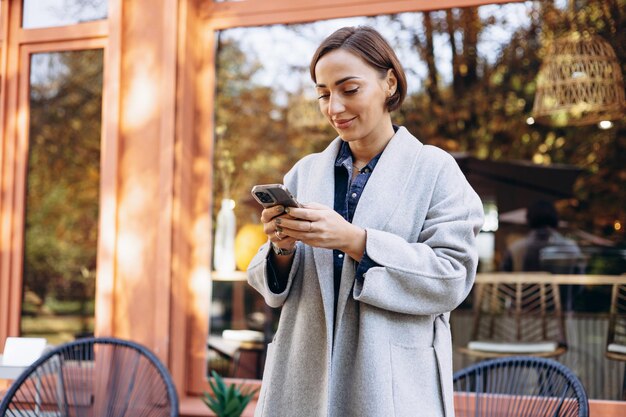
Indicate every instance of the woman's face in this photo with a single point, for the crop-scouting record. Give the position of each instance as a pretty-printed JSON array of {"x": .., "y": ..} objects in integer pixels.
[{"x": 352, "y": 96}]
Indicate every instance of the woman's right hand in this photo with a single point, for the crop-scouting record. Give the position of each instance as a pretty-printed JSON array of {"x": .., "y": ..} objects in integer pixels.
[{"x": 273, "y": 231}]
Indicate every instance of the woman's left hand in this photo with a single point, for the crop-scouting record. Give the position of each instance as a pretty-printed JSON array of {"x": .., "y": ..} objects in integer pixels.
[{"x": 321, "y": 226}]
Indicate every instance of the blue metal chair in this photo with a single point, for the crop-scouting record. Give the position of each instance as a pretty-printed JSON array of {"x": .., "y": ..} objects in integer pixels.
[
  {"x": 616, "y": 339},
  {"x": 519, "y": 386},
  {"x": 93, "y": 377}
]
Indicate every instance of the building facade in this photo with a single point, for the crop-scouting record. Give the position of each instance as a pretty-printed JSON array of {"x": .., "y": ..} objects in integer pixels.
[{"x": 156, "y": 143}]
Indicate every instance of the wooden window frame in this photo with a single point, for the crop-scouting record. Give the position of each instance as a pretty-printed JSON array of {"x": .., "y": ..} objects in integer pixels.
[
  {"x": 18, "y": 45},
  {"x": 190, "y": 336}
]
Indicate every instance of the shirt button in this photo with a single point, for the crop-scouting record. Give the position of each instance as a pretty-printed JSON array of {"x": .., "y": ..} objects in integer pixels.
[
  {"x": 353, "y": 195},
  {"x": 340, "y": 256},
  {"x": 366, "y": 170}
]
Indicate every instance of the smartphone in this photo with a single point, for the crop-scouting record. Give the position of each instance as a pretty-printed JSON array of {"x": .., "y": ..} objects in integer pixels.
[{"x": 269, "y": 195}]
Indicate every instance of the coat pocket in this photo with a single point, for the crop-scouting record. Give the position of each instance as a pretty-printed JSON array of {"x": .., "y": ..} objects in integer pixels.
[
  {"x": 267, "y": 378},
  {"x": 416, "y": 382}
]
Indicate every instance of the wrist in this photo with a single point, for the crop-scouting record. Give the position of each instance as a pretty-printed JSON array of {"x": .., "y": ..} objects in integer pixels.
[
  {"x": 355, "y": 245},
  {"x": 283, "y": 251}
]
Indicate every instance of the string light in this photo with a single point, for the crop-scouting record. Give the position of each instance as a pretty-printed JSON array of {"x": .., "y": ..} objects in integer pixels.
[{"x": 605, "y": 124}]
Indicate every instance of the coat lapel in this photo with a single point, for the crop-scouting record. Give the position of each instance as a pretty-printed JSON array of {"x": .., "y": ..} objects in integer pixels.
[
  {"x": 385, "y": 190},
  {"x": 321, "y": 189},
  {"x": 387, "y": 184},
  {"x": 386, "y": 187}
]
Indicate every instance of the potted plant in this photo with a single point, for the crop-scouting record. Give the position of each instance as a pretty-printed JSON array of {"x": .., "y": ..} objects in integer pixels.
[{"x": 227, "y": 400}]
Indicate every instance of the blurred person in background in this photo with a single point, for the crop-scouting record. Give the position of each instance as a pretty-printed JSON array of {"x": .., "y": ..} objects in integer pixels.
[{"x": 544, "y": 248}]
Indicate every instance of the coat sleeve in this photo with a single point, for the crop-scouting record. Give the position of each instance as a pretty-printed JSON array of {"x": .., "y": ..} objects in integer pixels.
[
  {"x": 258, "y": 276},
  {"x": 436, "y": 273}
]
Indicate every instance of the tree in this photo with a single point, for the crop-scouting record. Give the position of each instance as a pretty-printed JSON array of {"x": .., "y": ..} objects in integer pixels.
[
  {"x": 257, "y": 140},
  {"x": 481, "y": 108},
  {"x": 63, "y": 175},
  {"x": 484, "y": 109}
]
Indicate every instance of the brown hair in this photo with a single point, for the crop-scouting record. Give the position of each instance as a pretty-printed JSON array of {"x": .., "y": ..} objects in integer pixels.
[{"x": 366, "y": 43}]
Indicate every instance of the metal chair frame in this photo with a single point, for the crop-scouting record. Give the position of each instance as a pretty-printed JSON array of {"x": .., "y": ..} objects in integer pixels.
[
  {"x": 41, "y": 390},
  {"x": 617, "y": 328},
  {"x": 519, "y": 386}
]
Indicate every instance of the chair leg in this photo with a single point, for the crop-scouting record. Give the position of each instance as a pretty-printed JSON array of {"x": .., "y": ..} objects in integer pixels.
[
  {"x": 624, "y": 384},
  {"x": 235, "y": 360}
]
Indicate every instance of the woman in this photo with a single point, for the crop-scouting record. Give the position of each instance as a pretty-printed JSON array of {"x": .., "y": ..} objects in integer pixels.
[{"x": 368, "y": 270}]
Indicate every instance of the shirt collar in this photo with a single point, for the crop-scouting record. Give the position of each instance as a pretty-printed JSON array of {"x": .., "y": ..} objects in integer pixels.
[{"x": 344, "y": 157}]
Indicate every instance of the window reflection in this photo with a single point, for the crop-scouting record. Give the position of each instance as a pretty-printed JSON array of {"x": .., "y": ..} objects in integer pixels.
[
  {"x": 258, "y": 143},
  {"x": 472, "y": 80},
  {"x": 48, "y": 13},
  {"x": 267, "y": 118},
  {"x": 61, "y": 221}
]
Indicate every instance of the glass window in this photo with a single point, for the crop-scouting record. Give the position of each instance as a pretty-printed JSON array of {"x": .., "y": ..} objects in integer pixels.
[
  {"x": 471, "y": 85},
  {"x": 61, "y": 221},
  {"x": 258, "y": 144},
  {"x": 48, "y": 13}
]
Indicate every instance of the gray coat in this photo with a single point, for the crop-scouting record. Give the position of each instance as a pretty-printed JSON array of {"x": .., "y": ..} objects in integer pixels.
[{"x": 392, "y": 352}]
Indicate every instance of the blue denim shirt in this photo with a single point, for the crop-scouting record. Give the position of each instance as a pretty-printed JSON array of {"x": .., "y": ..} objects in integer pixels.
[{"x": 347, "y": 195}]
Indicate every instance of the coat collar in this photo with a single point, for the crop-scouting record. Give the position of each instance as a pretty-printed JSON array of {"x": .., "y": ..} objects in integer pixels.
[
  {"x": 388, "y": 178},
  {"x": 386, "y": 186}
]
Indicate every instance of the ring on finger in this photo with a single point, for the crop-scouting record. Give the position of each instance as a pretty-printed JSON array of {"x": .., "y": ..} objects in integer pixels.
[
  {"x": 277, "y": 233},
  {"x": 310, "y": 227}
]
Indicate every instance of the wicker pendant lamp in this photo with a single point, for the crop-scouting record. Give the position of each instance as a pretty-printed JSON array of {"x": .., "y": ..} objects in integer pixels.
[{"x": 579, "y": 83}]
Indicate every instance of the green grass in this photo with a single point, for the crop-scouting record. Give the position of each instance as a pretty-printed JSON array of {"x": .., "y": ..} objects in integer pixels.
[
  {"x": 56, "y": 329},
  {"x": 70, "y": 307},
  {"x": 58, "y": 307}
]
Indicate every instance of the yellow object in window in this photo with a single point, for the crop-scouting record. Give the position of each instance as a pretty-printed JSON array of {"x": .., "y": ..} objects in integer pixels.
[{"x": 247, "y": 242}]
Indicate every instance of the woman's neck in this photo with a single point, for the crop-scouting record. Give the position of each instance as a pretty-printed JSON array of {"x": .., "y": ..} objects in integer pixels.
[{"x": 364, "y": 151}]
